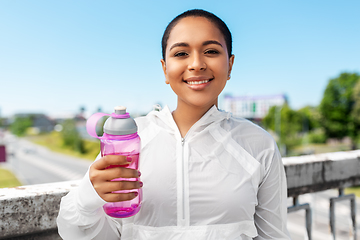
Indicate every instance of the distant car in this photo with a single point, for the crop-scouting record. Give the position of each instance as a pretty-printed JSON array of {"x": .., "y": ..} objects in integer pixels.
[{"x": 29, "y": 150}]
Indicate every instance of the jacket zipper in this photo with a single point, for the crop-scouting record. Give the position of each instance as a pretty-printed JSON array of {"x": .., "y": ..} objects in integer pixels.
[{"x": 183, "y": 179}]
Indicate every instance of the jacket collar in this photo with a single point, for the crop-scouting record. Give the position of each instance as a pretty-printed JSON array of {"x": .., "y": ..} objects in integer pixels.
[{"x": 211, "y": 116}]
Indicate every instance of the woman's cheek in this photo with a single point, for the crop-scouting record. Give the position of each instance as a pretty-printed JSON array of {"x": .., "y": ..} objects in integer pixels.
[{"x": 174, "y": 71}]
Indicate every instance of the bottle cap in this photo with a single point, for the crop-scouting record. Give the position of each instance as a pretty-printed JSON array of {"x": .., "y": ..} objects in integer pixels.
[
  {"x": 120, "y": 123},
  {"x": 120, "y": 110}
]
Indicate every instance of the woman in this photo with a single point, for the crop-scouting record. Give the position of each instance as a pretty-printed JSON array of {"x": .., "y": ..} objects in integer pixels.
[{"x": 206, "y": 174}]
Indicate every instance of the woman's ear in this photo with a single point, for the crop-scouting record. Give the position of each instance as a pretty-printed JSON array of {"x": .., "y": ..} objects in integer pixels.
[
  {"x": 231, "y": 62},
  {"x": 163, "y": 64}
]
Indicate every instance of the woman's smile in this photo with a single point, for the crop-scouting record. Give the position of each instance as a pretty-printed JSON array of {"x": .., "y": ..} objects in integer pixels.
[{"x": 197, "y": 83}]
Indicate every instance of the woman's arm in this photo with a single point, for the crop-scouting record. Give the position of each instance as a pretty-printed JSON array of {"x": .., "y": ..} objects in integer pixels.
[
  {"x": 81, "y": 215},
  {"x": 271, "y": 212}
]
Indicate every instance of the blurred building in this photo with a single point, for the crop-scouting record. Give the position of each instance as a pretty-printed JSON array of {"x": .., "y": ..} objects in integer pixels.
[
  {"x": 78, "y": 119},
  {"x": 252, "y": 107},
  {"x": 40, "y": 122}
]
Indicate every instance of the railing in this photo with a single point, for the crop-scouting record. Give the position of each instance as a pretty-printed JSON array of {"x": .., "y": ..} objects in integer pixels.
[
  {"x": 313, "y": 173},
  {"x": 31, "y": 211}
]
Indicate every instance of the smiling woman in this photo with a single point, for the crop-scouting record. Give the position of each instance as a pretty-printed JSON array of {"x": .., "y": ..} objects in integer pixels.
[
  {"x": 205, "y": 174},
  {"x": 196, "y": 65}
]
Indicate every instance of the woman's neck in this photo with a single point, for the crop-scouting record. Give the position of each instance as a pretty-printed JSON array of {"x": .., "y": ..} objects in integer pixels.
[{"x": 186, "y": 116}]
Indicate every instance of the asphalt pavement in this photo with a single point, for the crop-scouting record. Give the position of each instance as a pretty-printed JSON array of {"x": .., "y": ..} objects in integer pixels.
[
  {"x": 34, "y": 164},
  {"x": 320, "y": 206}
]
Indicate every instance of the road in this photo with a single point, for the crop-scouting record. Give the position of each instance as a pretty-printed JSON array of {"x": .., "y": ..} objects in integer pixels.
[
  {"x": 34, "y": 164},
  {"x": 319, "y": 203}
]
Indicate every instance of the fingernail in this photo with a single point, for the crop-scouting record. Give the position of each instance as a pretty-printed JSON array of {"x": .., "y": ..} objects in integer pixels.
[
  {"x": 129, "y": 159},
  {"x": 141, "y": 184},
  {"x": 136, "y": 193},
  {"x": 139, "y": 173}
]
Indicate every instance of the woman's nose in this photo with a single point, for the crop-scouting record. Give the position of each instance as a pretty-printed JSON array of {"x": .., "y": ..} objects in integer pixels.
[{"x": 196, "y": 63}]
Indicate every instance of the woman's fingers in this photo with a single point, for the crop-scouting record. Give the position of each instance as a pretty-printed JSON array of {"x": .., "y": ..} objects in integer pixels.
[
  {"x": 121, "y": 172},
  {"x": 119, "y": 197},
  {"x": 121, "y": 185},
  {"x": 112, "y": 173},
  {"x": 103, "y": 172},
  {"x": 110, "y": 160},
  {"x": 110, "y": 167},
  {"x": 107, "y": 190}
]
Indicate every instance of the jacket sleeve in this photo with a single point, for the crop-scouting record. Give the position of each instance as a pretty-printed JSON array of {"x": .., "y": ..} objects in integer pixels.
[
  {"x": 81, "y": 215},
  {"x": 271, "y": 211}
]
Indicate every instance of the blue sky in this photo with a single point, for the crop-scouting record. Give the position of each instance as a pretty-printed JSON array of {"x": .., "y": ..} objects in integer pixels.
[{"x": 57, "y": 56}]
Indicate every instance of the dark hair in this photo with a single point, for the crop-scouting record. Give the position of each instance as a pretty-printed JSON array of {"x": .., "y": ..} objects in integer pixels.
[{"x": 198, "y": 13}]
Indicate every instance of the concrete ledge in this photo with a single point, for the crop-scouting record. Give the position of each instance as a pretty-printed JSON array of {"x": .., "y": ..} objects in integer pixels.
[
  {"x": 313, "y": 173},
  {"x": 31, "y": 209}
]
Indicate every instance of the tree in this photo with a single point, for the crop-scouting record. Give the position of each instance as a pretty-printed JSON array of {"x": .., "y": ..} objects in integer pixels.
[
  {"x": 287, "y": 124},
  {"x": 311, "y": 118},
  {"x": 337, "y": 105},
  {"x": 2, "y": 122},
  {"x": 355, "y": 115},
  {"x": 71, "y": 137},
  {"x": 20, "y": 125},
  {"x": 313, "y": 132}
]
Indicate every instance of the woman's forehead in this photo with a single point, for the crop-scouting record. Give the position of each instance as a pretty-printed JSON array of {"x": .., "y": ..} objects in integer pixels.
[{"x": 191, "y": 29}]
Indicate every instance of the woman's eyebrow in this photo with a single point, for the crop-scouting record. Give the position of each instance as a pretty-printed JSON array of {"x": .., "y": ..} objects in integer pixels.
[
  {"x": 179, "y": 44},
  {"x": 212, "y": 42},
  {"x": 184, "y": 44}
]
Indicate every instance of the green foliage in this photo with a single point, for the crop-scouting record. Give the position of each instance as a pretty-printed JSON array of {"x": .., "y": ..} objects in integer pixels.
[
  {"x": 71, "y": 137},
  {"x": 354, "y": 126},
  {"x": 287, "y": 124},
  {"x": 311, "y": 118},
  {"x": 2, "y": 122},
  {"x": 337, "y": 105},
  {"x": 337, "y": 116},
  {"x": 8, "y": 179},
  {"x": 54, "y": 141},
  {"x": 316, "y": 136},
  {"x": 269, "y": 120},
  {"x": 293, "y": 127},
  {"x": 20, "y": 125}
]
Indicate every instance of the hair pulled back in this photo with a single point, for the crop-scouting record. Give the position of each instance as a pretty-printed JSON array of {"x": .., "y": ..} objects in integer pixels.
[{"x": 198, "y": 13}]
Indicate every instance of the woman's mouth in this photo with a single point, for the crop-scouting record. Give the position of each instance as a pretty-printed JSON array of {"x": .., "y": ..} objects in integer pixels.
[{"x": 197, "y": 82}]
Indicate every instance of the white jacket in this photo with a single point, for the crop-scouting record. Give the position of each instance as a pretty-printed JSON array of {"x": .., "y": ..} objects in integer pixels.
[{"x": 223, "y": 180}]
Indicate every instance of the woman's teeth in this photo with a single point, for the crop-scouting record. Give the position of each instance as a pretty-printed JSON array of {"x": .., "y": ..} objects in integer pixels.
[{"x": 197, "y": 82}]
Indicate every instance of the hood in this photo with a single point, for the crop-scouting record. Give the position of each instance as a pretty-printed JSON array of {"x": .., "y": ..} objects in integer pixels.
[{"x": 165, "y": 119}]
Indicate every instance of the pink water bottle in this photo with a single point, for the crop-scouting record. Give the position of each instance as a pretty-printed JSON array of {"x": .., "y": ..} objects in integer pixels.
[{"x": 120, "y": 138}]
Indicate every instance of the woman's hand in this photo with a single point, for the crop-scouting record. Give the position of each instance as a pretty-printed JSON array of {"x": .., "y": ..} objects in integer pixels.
[{"x": 101, "y": 176}]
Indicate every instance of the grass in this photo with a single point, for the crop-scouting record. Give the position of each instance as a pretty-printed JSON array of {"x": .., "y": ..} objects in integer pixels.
[
  {"x": 355, "y": 190},
  {"x": 8, "y": 179},
  {"x": 53, "y": 141},
  {"x": 319, "y": 148}
]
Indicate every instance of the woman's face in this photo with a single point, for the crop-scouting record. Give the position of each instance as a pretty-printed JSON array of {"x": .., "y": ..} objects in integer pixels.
[{"x": 196, "y": 63}]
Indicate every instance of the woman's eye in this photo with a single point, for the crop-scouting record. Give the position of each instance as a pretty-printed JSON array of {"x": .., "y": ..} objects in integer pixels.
[
  {"x": 211, "y": 51},
  {"x": 180, "y": 54}
]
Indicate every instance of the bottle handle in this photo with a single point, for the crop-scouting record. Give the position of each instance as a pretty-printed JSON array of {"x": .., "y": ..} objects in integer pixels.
[{"x": 91, "y": 123}]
